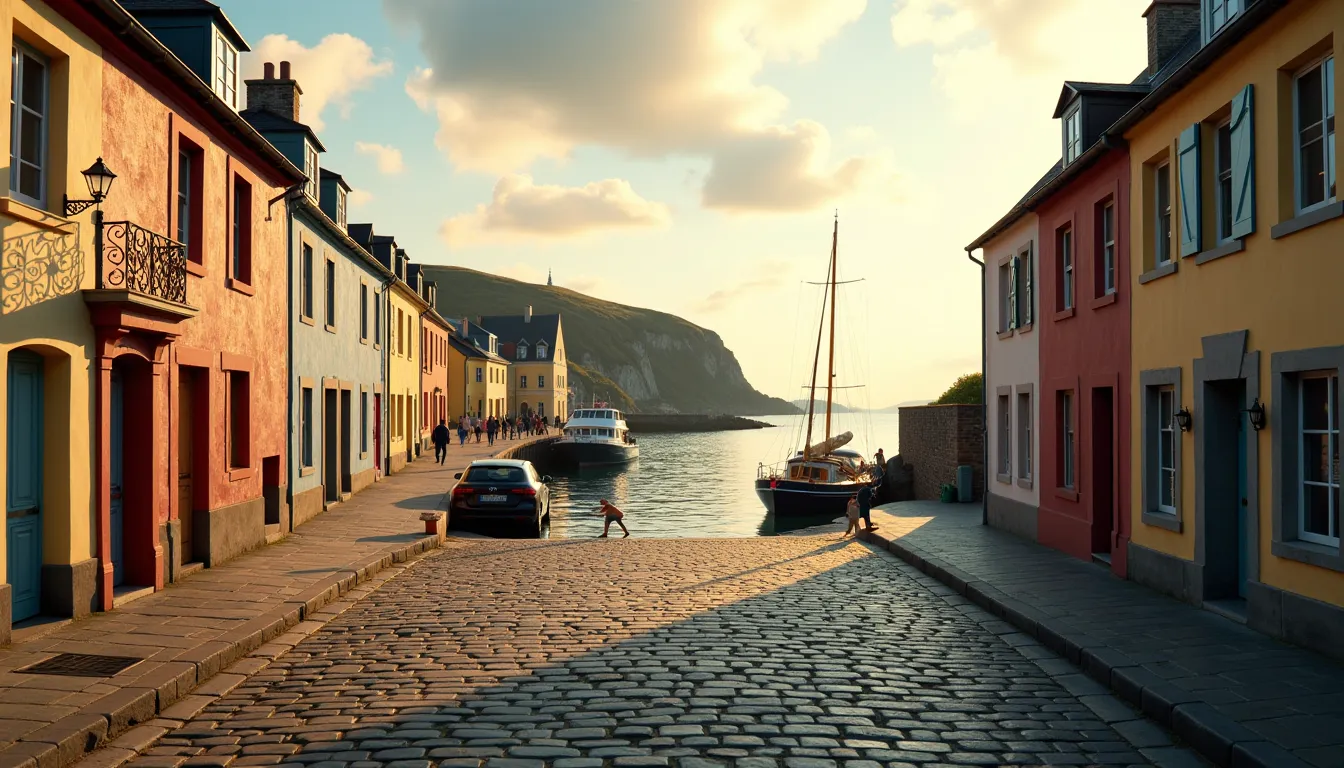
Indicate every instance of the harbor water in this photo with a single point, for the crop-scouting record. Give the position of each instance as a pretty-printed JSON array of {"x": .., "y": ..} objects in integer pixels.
[{"x": 699, "y": 484}]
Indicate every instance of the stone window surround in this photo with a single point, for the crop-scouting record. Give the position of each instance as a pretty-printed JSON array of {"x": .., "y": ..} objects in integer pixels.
[
  {"x": 1284, "y": 367},
  {"x": 1149, "y": 383},
  {"x": 1005, "y": 391},
  {"x": 1026, "y": 481}
]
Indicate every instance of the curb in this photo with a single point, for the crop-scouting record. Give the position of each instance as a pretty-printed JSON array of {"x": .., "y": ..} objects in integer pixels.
[
  {"x": 100, "y": 723},
  {"x": 1215, "y": 736}
]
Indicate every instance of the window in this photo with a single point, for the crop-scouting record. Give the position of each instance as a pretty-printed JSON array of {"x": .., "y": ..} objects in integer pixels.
[
  {"x": 340, "y": 208},
  {"x": 331, "y": 293},
  {"x": 226, "y": 70},
  {"x": 1162, "y": 215},
  {"x": 1106, "y": 230},
  {"x": 522, "y": 351},
  {"x": 377, "y": 316},
  {"x": 363, "y": 312},
  {"x": 1073, "y": 135},
  {"x": 401, "y": 335},
  {"x": 363, "y": 422},
  {"x": 1024, "y": 435},
  {"x": 28, "y": 125},
  {"x": 1166, "y": 450},
  {"x": 1068, "y": 465},
  {"x": 522, "y": 382},
  {"x": 1024, "y": 305},
  {"x": 306, "y": 429},
  {"x": 541, "y": 382},
  {"x": 1005, "y": 439},
  {"x": 478, "y": 376},
  {"x": 1318, "y": 462},
  {"x": 1065, "y": 246},
  {"x": 1315, "y": 96},
  {"x": 541, "y": 351},
  {"x": 310, "y": 169},
  {"x": 242, "y": 231},
  {"x": 239, "y": 420},
  {"x": 1218, "y": 13},
  {"x": 1222, "y": 168},
  {"x": 306, "y": 257}
]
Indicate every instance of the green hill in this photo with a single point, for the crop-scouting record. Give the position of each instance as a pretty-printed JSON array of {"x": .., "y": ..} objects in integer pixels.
[{"x": 658, "y": 362}]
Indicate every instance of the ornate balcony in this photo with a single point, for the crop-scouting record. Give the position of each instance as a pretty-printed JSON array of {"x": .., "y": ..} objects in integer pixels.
[{"x": 139, "y": 272}]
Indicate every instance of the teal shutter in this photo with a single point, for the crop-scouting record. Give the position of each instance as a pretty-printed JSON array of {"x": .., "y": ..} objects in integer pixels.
[
  {"x": 1243, "y": 163},
  {"x": 1028, "y": 294},
  {"x": 1188, "y": 156},
  {"x": 1014, "y": 311}
]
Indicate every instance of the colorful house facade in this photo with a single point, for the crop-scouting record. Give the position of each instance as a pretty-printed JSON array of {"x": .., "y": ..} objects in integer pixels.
[
  {"x": 534, "y": 345},
  {"x": 1237, "y": 228},
  {"x": 434, "y": 332},
  {"x": 478, "y": 372}
]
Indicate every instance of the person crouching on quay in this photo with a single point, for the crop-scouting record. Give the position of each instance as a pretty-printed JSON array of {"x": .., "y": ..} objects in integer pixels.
[{"x": 611, "y": 513}]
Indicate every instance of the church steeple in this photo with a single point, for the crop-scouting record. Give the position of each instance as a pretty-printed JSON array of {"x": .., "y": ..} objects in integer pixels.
[{"x": 548, "y": 278}]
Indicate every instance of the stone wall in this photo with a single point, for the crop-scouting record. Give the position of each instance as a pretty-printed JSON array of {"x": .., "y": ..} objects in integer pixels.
[{"x": 936, "y": 439}]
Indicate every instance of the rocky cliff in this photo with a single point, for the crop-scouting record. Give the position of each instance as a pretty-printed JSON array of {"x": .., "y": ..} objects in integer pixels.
[{"x": 658, "y": 362}]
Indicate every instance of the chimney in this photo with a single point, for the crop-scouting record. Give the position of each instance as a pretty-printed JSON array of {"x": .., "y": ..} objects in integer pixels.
[
  {"x": 1170, "y": 24},
  {"x": 463, "y": 329},
  {"x": 279, "y": 96},
  {"x": 527, "y": 315}
]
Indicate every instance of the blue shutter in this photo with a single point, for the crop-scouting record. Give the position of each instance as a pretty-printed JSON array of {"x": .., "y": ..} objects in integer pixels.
[
  {"x": 1014, "y": 311},
  {"x": 1243, "y": 163},
  {"x": 1188, "y": 155}
]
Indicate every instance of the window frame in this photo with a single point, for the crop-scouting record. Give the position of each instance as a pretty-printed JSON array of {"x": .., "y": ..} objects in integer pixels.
[
  {"x": 1166, "y": 427},
  {"x": 1326, "y": 137},
  {"x": 1151, "y": 384},
  {"x": 342, "y": 215},
  {"x": 1004, "y": 427},
  {"x": 522, "y": 351},
  {"x": 329, "y": 292},
  {"x": 522, "y": 381},
  {"x": 1107, "y": 247},
  {"x": 1064, "y": 254},
  {"x": 310, "y": 169},
  {"x": 1026, "y": 300},
  {"x": 480, "y": 375},
  {"x": 226, "y": 76},
  {"x": 240, "y": 231},
  {"x": 19, "y": 50},
  {"x": 363, "y": 422},
  {"x": 1068, "y": 457},
  {"x": 1073, "y": 133},
  {"x": 238, "y": 429},
  {"x": 1024, "y": 396},
  {"x": 1332, "y": 433},
  {"x": 306, "y": 427},
  {"x": 1222, "y": 208},
  {"x": 541, "y": 381},
  {"x": 1163, "y": 253},
  {"x": 306, "y": 276},
  {"x": 363, "y": 312},
  {"x": 542, "y": 350}
]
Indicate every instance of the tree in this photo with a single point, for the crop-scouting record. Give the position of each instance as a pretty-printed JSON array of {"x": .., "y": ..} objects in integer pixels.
[{"x": 966, "y": 390}]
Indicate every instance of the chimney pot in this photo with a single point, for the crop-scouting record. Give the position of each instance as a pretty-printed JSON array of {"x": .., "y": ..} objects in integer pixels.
[
  {"x": 527, "y": 315},
  {"x": 270, "y": 70},
  {"x": 284, "y": 70}
]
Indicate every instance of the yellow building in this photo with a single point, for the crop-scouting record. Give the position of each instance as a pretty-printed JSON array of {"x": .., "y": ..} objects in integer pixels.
[
  {"x": 403, "y": 374},
  {"x": 46, "y": 338},
  {"x": 1236, "y": 239},
  {"x": 477, "y": 376},
  {"x": 534, "y": 345}
]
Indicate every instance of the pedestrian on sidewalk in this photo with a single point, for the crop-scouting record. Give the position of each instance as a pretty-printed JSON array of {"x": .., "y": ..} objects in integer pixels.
[
  {"x": 462, "y": 431},
  {"x": 441, "y": 438},
  {"x": 476, "y": 427},
  {"x": 865, "y": 497},
  {"x": 491, "y": 427},
  {"x": 611, "y": 513},
  {"x": 852, "y": 514}
]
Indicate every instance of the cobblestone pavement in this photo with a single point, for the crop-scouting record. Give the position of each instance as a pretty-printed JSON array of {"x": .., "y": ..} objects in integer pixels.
[{"x": 800, "y": 652}]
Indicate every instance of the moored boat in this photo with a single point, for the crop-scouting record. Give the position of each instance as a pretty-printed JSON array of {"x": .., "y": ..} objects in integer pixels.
[{"x": 595, "y": 437}]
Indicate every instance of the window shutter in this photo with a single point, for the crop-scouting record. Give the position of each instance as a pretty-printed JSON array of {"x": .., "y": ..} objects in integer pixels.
[
  {"x": 1188, "y": 154},
  {"x": 1013, "y": 311},
  {"x": 1028, "y": 300},
  {"x": 1243, "y": 163}
]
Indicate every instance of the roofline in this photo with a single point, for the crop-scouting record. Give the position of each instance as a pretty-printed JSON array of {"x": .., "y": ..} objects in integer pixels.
[
  {"x": 297, "y": 127},
  {"x": 217, "y": 12},
  {"x": 126, "y": 27},
  {"x": 323, "y": 220}
]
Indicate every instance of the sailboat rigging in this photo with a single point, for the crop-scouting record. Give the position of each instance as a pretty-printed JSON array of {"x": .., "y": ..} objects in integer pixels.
[{"x": 819, "y": 479}]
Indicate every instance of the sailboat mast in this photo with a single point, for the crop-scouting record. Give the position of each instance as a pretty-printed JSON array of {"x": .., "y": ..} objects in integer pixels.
[
  {"x": 816, "y": 361},
  {"x": 830, "y": 366}
]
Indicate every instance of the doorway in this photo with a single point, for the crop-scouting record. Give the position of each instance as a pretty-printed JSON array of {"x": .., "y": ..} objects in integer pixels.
[
  {"x": 23, "y": 503},
  {"x": 378, "y": 434},
  {"x": 188, "y": 458},
  {"x": 132, "y": 530},
  {"x": 330, "y": 448},
  {"x": 116, "y": 527},
  {"x": 347, "y": 429},
  {"x": 1103, "y": 472},
  {"x": 1226, "y": 514},
  {"x": 411, "y": 439}
]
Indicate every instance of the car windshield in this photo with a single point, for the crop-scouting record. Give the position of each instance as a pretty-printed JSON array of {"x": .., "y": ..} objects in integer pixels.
[{"x": 488, "y": 474}]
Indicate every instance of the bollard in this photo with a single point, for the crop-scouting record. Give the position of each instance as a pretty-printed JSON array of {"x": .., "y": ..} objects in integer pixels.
[{"x": 431, "y": 522}]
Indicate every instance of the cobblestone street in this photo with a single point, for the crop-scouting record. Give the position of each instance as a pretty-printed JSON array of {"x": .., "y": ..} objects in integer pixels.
[{"x": 796, "y": 651}]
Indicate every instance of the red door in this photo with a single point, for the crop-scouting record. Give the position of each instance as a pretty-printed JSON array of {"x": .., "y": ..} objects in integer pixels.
[{"x": 377, "y": 435}]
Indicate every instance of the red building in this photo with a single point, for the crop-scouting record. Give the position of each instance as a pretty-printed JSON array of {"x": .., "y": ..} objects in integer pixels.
[
  {"x": 1085, "y": 402},
  {"x": 434, "y": 333},
  {"x": 190, "y": 363}
]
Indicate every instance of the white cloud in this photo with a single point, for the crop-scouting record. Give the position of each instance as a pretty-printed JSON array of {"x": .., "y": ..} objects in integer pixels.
[
  {"x": 388, "y": 158},
  {"x": 360, "y": 197},
  {"x": 770, "y": 275},
  {"x": 328, "y": 73},
  {"x": 522, "y": 209},
  {"x": 510, "y": 88}
]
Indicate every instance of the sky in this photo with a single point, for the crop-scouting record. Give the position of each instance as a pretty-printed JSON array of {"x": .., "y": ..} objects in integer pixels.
[{"x": 690, "y": 156}]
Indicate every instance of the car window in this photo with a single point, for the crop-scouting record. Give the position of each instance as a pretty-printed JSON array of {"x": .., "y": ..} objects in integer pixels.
[{"x": 489, "y": 474}]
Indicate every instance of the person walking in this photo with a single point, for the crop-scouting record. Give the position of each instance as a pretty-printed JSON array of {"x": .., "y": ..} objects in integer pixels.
[
  {"x": 852, "y": 514},
  {"x": 462, "y": 430},
  {"x": 491, "y": 427},
  {"x": 441, "y": 438},
  {"x": 476, "y": 427},
  {"x": 865, "y": 497},
  {"x": 611, "y": 513}
]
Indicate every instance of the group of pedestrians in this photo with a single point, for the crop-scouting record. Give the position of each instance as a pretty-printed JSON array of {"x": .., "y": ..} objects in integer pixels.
[{"x": 492, "y": 427}]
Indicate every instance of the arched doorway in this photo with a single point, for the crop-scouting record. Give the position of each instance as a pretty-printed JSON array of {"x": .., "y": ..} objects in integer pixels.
[{"x": 26, "y": 472}]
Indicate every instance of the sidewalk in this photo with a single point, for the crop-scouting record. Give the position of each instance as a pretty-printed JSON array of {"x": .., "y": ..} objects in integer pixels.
[
  {"x": 1237, "y": 696},
  {"x": 191, "y": 630}
]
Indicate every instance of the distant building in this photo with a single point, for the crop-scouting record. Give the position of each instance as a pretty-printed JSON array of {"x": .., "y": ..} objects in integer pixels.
[
  {"x": 477, "y": 375},
  {"x": 534, "y": 345}
]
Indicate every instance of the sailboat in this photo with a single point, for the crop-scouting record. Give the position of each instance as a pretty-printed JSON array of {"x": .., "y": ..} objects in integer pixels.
[{"x": 817, "y": 481}]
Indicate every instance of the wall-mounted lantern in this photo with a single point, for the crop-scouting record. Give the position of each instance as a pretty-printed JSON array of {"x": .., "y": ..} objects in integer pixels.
[
  {"x": 1257, "y": 414},
  {"x": 1184, "y": 420}
]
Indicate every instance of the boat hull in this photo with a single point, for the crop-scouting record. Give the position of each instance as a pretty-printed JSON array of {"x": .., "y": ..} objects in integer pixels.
[
  {"x": 585, "y": 455},
  {"x": 789, "y": 499}
]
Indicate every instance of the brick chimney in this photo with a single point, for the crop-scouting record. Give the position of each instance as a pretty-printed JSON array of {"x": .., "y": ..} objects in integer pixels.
[
  {"x": 1170, "y": 24},
  {"x": 463, "y": 331},
  {"x": 527, "y": 315},
  {"x": 277, "y": 95}
]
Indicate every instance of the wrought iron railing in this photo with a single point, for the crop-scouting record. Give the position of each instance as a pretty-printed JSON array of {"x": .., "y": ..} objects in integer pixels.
[{"x": 136, "y": 259}]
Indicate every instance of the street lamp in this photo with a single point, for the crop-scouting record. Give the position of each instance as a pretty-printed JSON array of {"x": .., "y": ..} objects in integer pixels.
[{"x": 99, "y": 179}]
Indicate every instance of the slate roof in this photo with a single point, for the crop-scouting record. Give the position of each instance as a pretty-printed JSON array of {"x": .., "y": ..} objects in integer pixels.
[
  {"x": 471, "y": 350},
  {"x": 187, "y": 7},
  {"x": 1073, "y": 88},
  {"x": 266, "y": 121},
  {"x": 361, "y": 233},
  {"x": 325, "y": 174},
  {"x": 513, "y": 329}
]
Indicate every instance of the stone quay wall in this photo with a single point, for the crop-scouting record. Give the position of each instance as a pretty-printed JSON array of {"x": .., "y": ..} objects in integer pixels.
[{"x": 936, "y": 439}]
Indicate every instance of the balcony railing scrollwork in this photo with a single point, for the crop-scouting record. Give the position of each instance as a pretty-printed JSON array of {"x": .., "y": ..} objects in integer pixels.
[{"x": 141, "y": 261}]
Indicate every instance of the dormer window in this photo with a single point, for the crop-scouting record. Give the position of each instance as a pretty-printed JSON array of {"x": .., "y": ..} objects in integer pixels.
[
  {"x": 1073, "y": 133},
  {"x": 340, "y": 208},
  {"x": 1217, "y": 13},
  {"x": 522, "y": 351},
  {"x": 310, "y": 169},
  {"x": 541, "y": 351},
  {"x": 226, "y": 70}
]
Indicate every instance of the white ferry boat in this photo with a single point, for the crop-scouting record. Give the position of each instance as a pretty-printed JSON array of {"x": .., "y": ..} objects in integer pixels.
[{"x": 596, "y": 437}]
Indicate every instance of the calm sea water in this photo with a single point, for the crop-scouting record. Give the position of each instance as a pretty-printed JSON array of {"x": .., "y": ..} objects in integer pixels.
[{"x": 701, "y": 484}]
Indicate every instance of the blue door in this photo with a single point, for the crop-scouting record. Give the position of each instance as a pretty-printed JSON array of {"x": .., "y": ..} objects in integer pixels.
[
  {"x": 23, "y": 505},
  {"x": 117, "y": 462},
  {"x": 1243, "y": 537}
]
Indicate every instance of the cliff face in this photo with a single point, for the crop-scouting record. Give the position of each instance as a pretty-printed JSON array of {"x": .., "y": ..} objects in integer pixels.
[{"x": 660, "y": 362}]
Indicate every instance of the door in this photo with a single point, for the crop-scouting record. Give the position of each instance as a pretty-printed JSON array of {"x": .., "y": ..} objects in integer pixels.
[
  {"x": 1243, "y": 534},
  {"x": 116, "y": 480},
  {"x": 330, "y": 443},
  {"x": 411, "y": 438},
  {"x": 347, "y": 443},
  {"x": 23, "y": 505},
  {"x": 1103, "y": 470},
  {"x": 378, "y": 434},
  {"x": 186, "y": 434}
]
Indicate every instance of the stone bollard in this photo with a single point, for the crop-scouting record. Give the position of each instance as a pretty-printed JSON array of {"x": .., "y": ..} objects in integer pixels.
[{"x": 433, "y": 523}]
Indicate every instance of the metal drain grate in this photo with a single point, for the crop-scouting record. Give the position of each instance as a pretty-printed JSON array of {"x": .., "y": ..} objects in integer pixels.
[{"x": 82, "y": 665}]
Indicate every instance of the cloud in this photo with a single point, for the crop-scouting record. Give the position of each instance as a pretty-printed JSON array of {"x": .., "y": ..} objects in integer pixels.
[
  {"x": 388, "y": 158},
  {"x": 509, "y": 87},
  {"x": 771, "y": 276},
  {"x": 328, "y": 73},
  {"x": 523, "y": 209},
  {"x": 360, "y": 197}
]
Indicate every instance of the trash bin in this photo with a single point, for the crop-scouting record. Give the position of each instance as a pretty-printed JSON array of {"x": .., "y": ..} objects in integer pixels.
[
  {"x": 964, "y": 489},
  {"x": 948, "y": 493}
]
